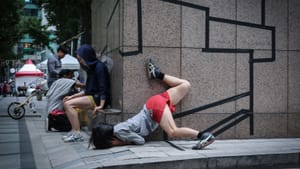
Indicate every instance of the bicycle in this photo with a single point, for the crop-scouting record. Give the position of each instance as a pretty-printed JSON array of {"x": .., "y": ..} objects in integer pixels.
[{"x": 17, "y": 110}]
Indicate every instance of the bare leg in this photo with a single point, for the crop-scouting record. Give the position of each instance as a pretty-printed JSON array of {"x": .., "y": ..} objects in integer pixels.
[
  {"x": 167, "y": 123},
  {"x": 70, "y": 105},
  {"x": 179, "y": 88}
]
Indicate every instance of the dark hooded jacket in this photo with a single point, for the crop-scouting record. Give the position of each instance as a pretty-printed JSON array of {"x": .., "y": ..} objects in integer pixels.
[{"x": 98, "y": 80}]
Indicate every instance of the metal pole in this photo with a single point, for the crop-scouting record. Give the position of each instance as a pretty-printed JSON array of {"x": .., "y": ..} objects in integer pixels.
[{"x": 251, "y": 88}]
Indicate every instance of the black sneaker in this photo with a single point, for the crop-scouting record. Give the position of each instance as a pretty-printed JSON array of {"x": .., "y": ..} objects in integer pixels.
[
  {"x": 152, "y": 70},
  {"x": 205, "y": 140}
]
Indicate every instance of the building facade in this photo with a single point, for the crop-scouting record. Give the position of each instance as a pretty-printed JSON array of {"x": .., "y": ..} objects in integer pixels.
[
  {"x": 25, "y": 46},
  {"x": 212, "y": 44}
]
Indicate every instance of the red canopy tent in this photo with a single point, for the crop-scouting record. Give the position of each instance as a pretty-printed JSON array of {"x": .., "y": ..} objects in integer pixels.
[
  {"x": 29, "y": 69},
  {"x": 27, "y": 74}
]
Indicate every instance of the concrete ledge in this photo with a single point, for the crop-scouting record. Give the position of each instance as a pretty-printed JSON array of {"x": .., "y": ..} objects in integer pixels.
[
  {"x": 112, "y": 111},
  {"x": 241, "y": 162},
  {"x": 283, "y": 153},
  {"x": 223, "y": 154},
  {"x": 103, "y": 117}
]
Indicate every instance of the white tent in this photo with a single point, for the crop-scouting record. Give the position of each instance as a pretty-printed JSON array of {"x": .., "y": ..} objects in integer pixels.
[
  {"x": 68, "y": 62},
  {"x": 27, "y": 74}
]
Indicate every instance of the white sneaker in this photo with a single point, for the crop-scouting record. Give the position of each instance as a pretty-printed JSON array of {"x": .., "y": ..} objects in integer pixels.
[
  {"x": 67, "y": 135},
  {"x": 75, "y": 137},
  {"x": 152, "y": 70},
  {"x": 205, "y": 140}
]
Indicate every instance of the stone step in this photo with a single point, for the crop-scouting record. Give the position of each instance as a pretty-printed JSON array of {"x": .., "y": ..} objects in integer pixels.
[
  {"x": 280, "y": 153},
  {"x": 223, "y": 154},
  {"x": 111, "y": 116}
]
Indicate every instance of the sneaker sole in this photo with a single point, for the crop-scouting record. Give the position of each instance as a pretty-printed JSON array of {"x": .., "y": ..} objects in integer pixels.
[
  {"x": 205, "y": 143},
  {"x": 64, "y": 137},
  {"x": 80, "y": 139},
  {"x": 73, "y": 141},
  {"x": 147, "y": 69}
]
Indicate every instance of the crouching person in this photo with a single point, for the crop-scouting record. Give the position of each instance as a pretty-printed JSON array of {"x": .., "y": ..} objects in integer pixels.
[
  {"x": 156, "y": 112},
  {"x": 62, "y": 87}
]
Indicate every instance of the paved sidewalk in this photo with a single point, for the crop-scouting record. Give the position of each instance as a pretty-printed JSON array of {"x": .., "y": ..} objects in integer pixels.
[
  {"x": 25, "y": 144},
  {"x": 5, "y": 101},
  {"x": 15, "y": 144},
  {"x": 51, "y": 152}
]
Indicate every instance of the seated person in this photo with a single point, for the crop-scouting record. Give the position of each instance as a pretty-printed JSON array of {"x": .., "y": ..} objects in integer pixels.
[
  {"x": 156, "y": 112},
  {"x": 61, "y": 88},
  {"x": 96, "y": 95}
]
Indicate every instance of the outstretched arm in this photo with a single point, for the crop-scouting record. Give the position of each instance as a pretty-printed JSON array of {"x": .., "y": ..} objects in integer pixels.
[
  {"x": 118, "y": 142},
  {"x": 79, "y": 84}
]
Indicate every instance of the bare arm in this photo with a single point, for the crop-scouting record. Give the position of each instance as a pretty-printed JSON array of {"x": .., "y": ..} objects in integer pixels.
[
  {"x": 79, "y": 84},
  {"x": 118, "y": 142},
  {"x": 98, "y": 109}
]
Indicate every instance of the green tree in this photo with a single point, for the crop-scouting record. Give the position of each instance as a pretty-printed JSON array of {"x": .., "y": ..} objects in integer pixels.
[
  {"x": 70, "y": 18},
  {"x": 33, "y": 27},
  {"x": 9, "y": 27}
]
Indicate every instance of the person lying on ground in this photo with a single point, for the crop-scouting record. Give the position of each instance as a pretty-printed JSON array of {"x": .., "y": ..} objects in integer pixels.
[{"x": 156, "y": 112}]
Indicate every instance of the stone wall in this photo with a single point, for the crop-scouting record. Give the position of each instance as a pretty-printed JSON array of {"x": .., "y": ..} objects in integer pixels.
[{"x": 173, "y": 34}]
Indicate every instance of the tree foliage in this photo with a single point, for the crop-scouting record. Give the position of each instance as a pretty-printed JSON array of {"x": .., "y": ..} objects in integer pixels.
[
  {"x": 70, "y": 18},
  {"x": 33, "y": 27},
  {"x": 9, "y": 27}
]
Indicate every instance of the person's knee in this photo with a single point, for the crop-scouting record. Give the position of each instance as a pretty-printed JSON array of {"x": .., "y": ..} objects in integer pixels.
[
  {"x": 172, "y": 133},
  {"x": 187, "y": 85},
  {"x": 67, "y": 105}
]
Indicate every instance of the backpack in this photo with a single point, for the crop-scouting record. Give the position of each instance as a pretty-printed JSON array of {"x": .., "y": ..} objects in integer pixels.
[
  {"x": 109, "y": 63},
  {"x": 58, "y": 120}
]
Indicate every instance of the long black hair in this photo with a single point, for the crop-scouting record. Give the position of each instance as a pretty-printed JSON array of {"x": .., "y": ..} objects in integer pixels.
[{"x": 102, "y": 136}]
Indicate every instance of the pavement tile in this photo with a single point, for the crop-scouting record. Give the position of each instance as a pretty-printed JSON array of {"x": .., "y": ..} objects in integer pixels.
[
  {"x": 7, "y": 122},
  {"x": 91, "y": 153},
  {"x": 124, "y": 155},
  {"x": 61, "y": 160},
  {"x": 81, "y": 147},
  {"x": 127, "y": 157},
  {"x": 56, "y": 150},
  {"x": 9, "y": 138},
  {"x": 112, "y": 163},
  {"x": 10, "y": 161},
  {"x": 139, "y": 149},
  {"x": 9, "y": 148},
  {"x": 9, "y": 130},
  {"x": 100, "y": 159},
  {"x": 71, "y": 164},
  {"x": 93, "y": 166},
  {"x": 151, "y": 154},
  {"x": 52, "y": 143},
  {"x": 181, "y": 153},
  {"x": 120, "y": 148}
]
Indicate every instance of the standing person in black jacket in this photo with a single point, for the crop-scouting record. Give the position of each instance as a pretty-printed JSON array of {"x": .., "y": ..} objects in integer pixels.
[{"x": 96, "y": 95}]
